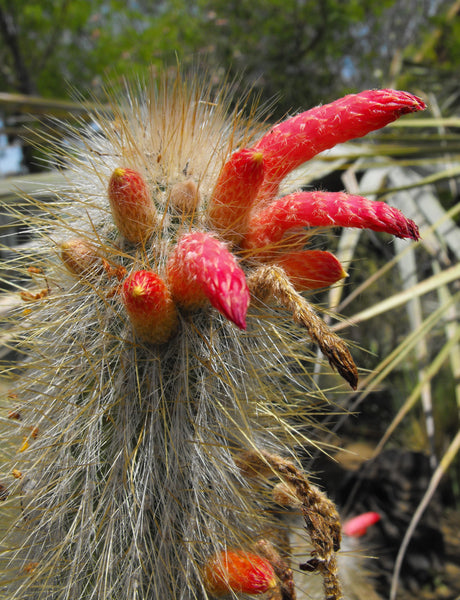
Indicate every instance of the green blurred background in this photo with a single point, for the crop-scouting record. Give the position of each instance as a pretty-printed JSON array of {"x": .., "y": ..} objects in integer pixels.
[{"x": 300, "y": 52}]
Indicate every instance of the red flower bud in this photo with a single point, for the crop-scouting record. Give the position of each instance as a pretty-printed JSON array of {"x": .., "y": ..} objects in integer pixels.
[
  {"x": 311, "y": 269},
  {"x": 149, "y": 305}
]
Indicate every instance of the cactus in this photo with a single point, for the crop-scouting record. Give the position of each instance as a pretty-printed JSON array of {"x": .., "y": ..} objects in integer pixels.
[{"x": 165, "y": 351}]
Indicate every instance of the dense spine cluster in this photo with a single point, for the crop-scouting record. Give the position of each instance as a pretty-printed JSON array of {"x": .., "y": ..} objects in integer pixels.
[{"x": 152, "y": 417}]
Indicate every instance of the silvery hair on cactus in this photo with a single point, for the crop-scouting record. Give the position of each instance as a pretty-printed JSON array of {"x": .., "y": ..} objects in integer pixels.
[{"x": 164, "y": 329}]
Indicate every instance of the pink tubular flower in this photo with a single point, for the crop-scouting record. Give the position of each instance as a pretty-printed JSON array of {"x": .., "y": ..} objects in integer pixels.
[
  {"x": 201, "y": 267},
  {"x": 322, "y": 209},
  {"x": 298, "y": 139}
]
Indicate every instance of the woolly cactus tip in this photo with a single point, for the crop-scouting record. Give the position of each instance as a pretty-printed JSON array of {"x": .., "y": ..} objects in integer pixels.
[
  {"x": 235, "y": 571},
  {"x": 149, "y": 306},
  {"x": 80, "y": 256},
  {"x": 132, "y": 207},
  {"x": 185, "y": 197},
  {"x": 200, "y": 269}
]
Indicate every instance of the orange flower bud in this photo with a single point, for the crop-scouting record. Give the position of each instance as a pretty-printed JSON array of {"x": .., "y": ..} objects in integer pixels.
[
  {"x": 234, "y": 193},
  {"x": 240, "y": 572},
  {"x": 132, "y": 207}
]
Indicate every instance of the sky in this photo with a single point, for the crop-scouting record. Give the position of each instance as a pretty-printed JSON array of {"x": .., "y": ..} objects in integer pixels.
[{"x": 10, "y": 156}]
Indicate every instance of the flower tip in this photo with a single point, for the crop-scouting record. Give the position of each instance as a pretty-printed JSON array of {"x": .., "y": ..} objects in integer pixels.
[
  {"x": 405, "y": 101},
  {"x": 236, "y": 311},
  {"x": 137, "y": 291},
  {"x": 410, "y": 103},
  {"x": 119, "y": 173},
  {"x": 396, "y": 102},
  {"x": 413, "y": 230},
  {"x": 358, "y": 526},
  {"x": 258, "y": 157},
  {"x": 229, "y": 293}
]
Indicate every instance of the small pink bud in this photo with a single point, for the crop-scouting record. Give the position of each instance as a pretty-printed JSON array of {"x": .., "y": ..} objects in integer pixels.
[
  {"x": 358, "y": 526},
  {"x": 235, "y": 571},
  {"x": 324, "y": 209},
  {"x": 200, "y": 269},
  {"x": 132, "y": 207},
  {"x": 149, "y": 305},
  {"x": 298, "y": 139},
  {"x": 311, "y": 269}
]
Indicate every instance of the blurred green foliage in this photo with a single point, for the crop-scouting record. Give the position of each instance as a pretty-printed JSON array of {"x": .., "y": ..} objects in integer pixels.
[{"x": 302, "y": 51}]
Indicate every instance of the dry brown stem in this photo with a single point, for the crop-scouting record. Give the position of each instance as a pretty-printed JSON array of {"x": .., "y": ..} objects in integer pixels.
[
  {"x": 281, "y": 568},
  {"x": 269, "y": 283},
  {"x": 321, "y": 518}
]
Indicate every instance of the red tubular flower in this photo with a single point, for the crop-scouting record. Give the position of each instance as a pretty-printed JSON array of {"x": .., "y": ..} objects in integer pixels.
[
  {"x": 324, "y": 209},
  {"x": 238, "y": 572},
  {"x": 149, "y": 306},
  {"x": 294, "y": 141},
  {"x": 311, "y": 269},
  {"x": 201, "y": 267},
  {"x": 234, "y": 193}
]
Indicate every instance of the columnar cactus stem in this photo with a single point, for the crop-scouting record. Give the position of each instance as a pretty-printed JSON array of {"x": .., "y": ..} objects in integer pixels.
[{"x": 165, "y": 346}]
